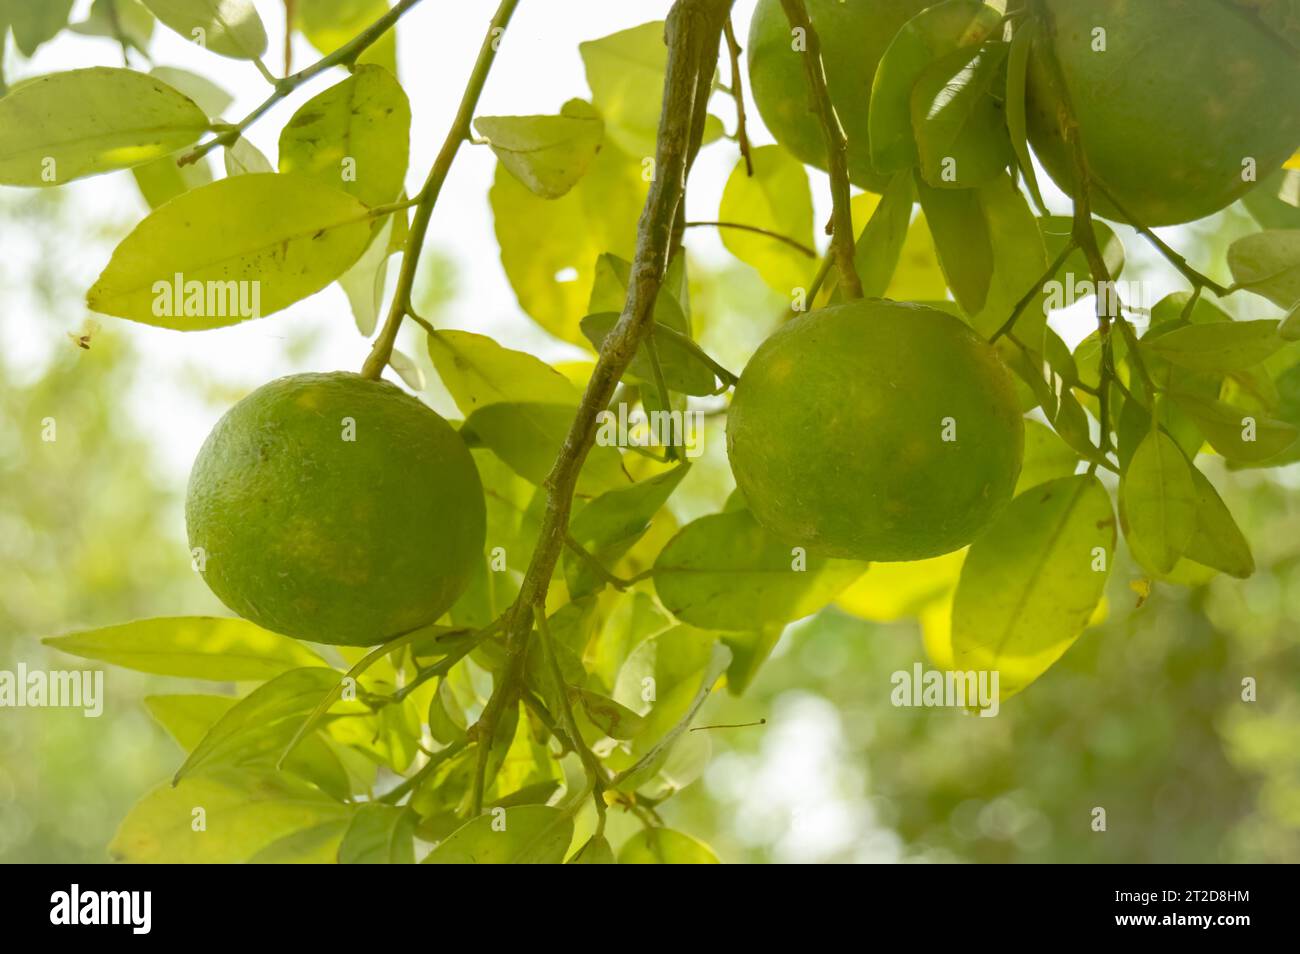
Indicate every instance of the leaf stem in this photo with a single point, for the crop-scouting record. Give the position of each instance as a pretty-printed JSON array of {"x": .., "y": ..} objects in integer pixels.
[
  {"x": 345, "y": 55},
  {"x": 428, "y": 195},
  {"x": 693, "y": 32},
  {"x": 793, "y": 243},
  {"x": 1033, "y": 291},
  {"x": 841, "y": 225}
]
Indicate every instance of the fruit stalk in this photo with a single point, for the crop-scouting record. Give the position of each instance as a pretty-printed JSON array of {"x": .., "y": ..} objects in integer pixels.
[
  {"x": 693, "y": 33},
  {"x": 428, "y": 197},
  {"x": 837, "y": 149}
]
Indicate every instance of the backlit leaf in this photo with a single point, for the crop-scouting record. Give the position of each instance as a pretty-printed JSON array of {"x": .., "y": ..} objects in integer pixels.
[
  {"x": 1032, "y": 581},
  {"x": 379, "y": 835},
  {"x": 548, "y": 154},
  {"x": 194, "y": 647},
  {"x": 663, "y": 846},
  {"x": 1159, "y": 501},
  {"x": 227, "y": 27},
  {"x": 776, "y": 198},
  {"x": 290, "y": 235},
  {"x": 726, "y": 572},
  {"x": 524, "y": 835},
  {"x": 1268, "y": 264},
  {"x": 64, "y": 126},
  {"x": 961, "y": 136}
]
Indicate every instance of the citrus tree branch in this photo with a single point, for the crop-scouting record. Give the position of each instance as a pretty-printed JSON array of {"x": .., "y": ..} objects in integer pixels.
[
  {"x": 693, "y": 32},
  {"x": 343, "y": 56},
  {"x": 738, "y": 94},
  {"x": 428, "y": 197},
  {"x": 837, "y": 149}
]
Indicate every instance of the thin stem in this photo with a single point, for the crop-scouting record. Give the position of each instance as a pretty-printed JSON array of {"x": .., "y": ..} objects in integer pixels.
[
  {"x": 597, "y": 779},
  {"x": 837, "y": 149},
  {"x": 428, "y": 196},
  {"x": 693, "y": 31},
  {"x": 1198, "y": 279},
  {"x": 596, "y": 566},
  {"x": 793, "y": 243},
  {"x": 1033, "y": 292},
  {"x": 411, "y": 782},
  {"x": 344, "y": 55},
  {"x": 288, "y": 35},
  {"x": 738, "y": 94}
]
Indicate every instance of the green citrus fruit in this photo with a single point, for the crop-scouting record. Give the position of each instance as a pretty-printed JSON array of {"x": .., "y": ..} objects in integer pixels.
[
  {"x": 876, "y": 430},
  {"x": 336, "y": 509},
  {"x": 853, "y": 37},
  {"x": 1182, "y": 95}
]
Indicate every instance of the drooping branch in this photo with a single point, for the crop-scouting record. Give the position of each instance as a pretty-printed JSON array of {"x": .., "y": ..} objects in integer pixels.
[
  {"x": 837, "y": 148},
  {"x": 693, "y": 32},
  {"x": 738, "y": 94},
  {"x": 459, "y": 133},
  {"x": 343, "y": 56}
]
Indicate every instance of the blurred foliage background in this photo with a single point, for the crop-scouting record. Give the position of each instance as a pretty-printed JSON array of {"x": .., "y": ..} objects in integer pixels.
[{"x": 1143, "y": 717}]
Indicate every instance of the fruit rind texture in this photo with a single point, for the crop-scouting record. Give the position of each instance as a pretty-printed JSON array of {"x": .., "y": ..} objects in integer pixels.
[
  {"x": 876, "y": 430},
  {"x": 314, "y": 535}
]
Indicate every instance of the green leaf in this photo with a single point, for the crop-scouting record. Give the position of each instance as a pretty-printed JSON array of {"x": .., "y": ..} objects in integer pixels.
[
  {"x": 1275, "y": 202},
  {"x": 193, "y": 647},
  {"x": 1047, "y": 457},
  {"x": 880, "y": 244},
  {"x": 1032, "y": 581},
  {"x": 1217, "y": 542},
  {"x": 1019, "y": 260},
  {"x": 1217, "y": 346},
  {"x": 961, "y": 136},
  {"x": 525, "y": 835},
  {"x": 1268, "y": 264},
  {"x": 1235, "y": 433},
  {"x": 363, "y": 283},
  {"x": 226, "y": 27},
  {"x": 328, "y": 24},
  {"x": 477, "y": 372},
  {"x": 726, "y": 572},
  {"x": 961, "y": 239},
  {"x": 610, "y": 524},
  {"x": 262, "y": 723},
  {"x": 290, "y": 235},
  {"x": 379, "y": 835},
  {"x": 1017, "y": 73},
  {"x": 210, "y": 97},
  {"x": 64, "y": 126},
  {"x": 685, "y": 366},
  {"x": 241, "y": 814},
  {"x": 161, "y": 180},
  {"x": 547, "y": 154},
  {"x": 663, "y": 846},
  {"x": 595, "y": 852},
  {"x": 243, "y": 158},
  {"x": 550, "y": 247},
  {"x": 318, "y": 845},
  {"x": 354, "y": 136},
  {"x": 625, "y": 71},
  {"x": 748, "y": 653},
  {"x": 111, "y": 18},
  {"x": 528, "y": 437},
  {"x": 1158, "y": 498},
  {"x": 776, "y": 198},
  {"x": 34, "y": 23},
  {"x": 615, "y": 720},
  {"x": 932, "y": 33}
]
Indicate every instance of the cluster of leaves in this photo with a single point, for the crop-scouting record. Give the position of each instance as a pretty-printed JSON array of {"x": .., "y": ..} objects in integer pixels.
[{"x": 645, "y": 617}]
